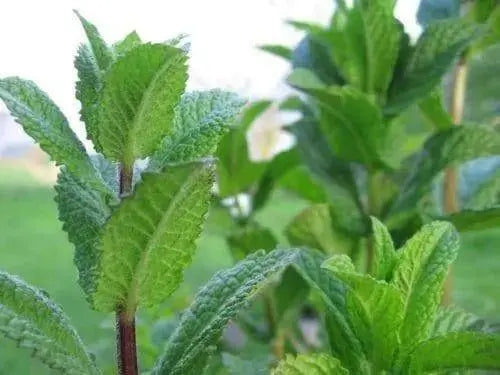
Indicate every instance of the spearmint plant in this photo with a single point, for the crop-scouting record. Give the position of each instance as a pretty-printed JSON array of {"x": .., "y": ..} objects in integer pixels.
[
  {"x": 389, "y": 321},
  {"x": 133, "y": 228}
]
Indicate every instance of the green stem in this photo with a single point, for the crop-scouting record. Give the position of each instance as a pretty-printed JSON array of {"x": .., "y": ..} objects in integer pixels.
[{"x": 125, "y": 322}]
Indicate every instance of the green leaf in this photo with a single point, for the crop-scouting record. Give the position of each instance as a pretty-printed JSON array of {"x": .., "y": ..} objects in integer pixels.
[
  {"x": 250, "y": 238},
  {"x": 235, "y": 171},
  {"x": 432, "y": 10},
  {"x": 42, "y": 120},
  {"x": 289, "y": 296},
  {"x": 434, "y": 112},
  {"x": 316, "y": 227},
  {"x": 220, "y": 300},
  {"x": 300, "y": 181},
  {"x": 470, "y": 220},
  {"x": 131, "y": 41},
  {"x": 84, "y": 212},
  {"x": 201, "y": 119},
  {"x": 453, "y": 319},
  {"x": 487, "y": 194},
  {"x": 456, "y": 351},
  {"x": 351, "y": 123},
  {"x": 36, "y": 323},
  {"x": 384, "y": 254},
  {"x": 138, "y": 100},
  {"x": 277, "y": 50},
  {"x": 432, "y": 56},
  {"x": 310, "y": 364},
  {"x": 150, "y": 238},
  {"x": 102, "y": 54},
  {"x": 419, "y": 274},
  {"x": 375, "y": 309},
  {"x": 305, "y": 79},
  {"x": 456, "y": 145},
  {"x": 366, "y": 45},
  {"x": 343, "y": 342}
]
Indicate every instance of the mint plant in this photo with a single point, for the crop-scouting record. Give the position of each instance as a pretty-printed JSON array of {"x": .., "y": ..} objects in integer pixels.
[
  {"x": 133, "y": 227},
  {"x": 389, "y": 321}
]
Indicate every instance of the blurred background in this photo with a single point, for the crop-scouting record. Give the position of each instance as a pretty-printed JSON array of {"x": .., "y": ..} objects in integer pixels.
[{"x": 38, "y": 41}]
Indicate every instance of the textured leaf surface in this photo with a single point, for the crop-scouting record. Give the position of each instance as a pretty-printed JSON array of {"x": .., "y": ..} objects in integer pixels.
[
  {"x": 315, "y": 227},
  {"x": 201, "y": 119},
  {"x": 384, "y": 254},
  {"x": 419, "y": 274},
  {"x": 458, "y": 350},
  {"x": 216, "y": 303},
  {"x": 456, "y": 145},
  {"x": 132, "y": 40},
  {"x": 432, "y": 56},
  {"x": 140, "y": 93},
  {"x": 310, "y": 364},
  {"x": 469, "y": 220},
  {"x": 150, "y": 239},
  {"x": 42, "y": 120},
  {"x": 36, "y": 323},
  {"x": 453, "y": 319},
  {"x": 343, "y": 342},
  {"x": 375, "y": 309},
  {"x": 83, "y": 212}
]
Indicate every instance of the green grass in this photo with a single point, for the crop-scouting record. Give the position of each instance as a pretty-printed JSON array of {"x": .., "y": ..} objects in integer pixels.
[{"x": 33, "y": 246}]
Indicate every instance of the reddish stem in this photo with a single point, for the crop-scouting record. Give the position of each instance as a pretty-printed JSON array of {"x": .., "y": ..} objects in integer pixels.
[{"x": 126, "y": 348}]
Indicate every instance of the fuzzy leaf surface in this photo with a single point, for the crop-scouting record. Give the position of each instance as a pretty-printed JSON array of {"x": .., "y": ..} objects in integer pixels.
[
  {"x": 42, "y": 120},
  {"x": 384, "y": 254},
  {"x": 227, "y": 293},
  {"x": 456, "y": 350},
  {"x": 36, "y": 323},
  {"x": 150, "y": 239},
  {"x": 201, "y": 120},
  {"x": 310, "y": 364},
  {"x": 138, "y": 100},
  {"x": 83, "y": 212},
  {"x": 419, "y": 274}
]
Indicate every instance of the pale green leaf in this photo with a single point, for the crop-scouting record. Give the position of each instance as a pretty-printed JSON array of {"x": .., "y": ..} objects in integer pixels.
[
  {"x": 316, "y": 227},
  {"x": 343, "y": 342},
  {"x": 220, "y": 300},
  {"x": 453, "y": 319},
  {"x": 419, "y": 274},
  {"x": 456, "y": 351},
  {"x": 434, "y": 111},
  {"x": 150, "y": 238},
  {"x": 131, "y": 41},
  {"x": 138, "y": 100},
  {"x": 453, "y": 146},
  {"x": 102, "y": 54},
  {"x": 310, "y": 364},
  {"x": 42, "y": 120},
  {"x": 83, "y": 212},
  {"x": 36, "y": 323},
  {"x": 305, "y": 79},
  {"x": 375, "y": 309},
  {"x": 201, "y": 119},
  {"x": 384, "y": 254},
  {"x": 432, "y": 56},
  {"x": 277, "y": 50}
]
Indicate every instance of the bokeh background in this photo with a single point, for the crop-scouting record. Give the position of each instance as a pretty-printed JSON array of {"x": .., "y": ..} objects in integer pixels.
[{"x": 38, "y": 40}]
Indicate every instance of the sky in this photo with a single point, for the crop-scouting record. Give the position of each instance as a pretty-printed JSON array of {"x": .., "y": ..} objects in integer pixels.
[{"x": 38, "y": 39}]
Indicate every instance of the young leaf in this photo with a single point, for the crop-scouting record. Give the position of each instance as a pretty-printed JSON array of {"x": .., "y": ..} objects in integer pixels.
[
  {"x": 343, "y": 342},
  {"x": 419, "y": 274},
  {"x": 132, "y": 40},
  {"x": 375, "y": 309},
  {"x": 35, "y": 322},
  {"x": 227, "y": 293},
  {"x": 201, "y": 119},
  {"x": 42, "y": 120},
  {"x": 433, "y": 54},
  {"x": 454, "y": 351},
  {"x": 83, "y": 212},
  {"x": 138, "y": 100},
  {"x": 102, "y": 54},
  {"x": 316, "y": 227},
  {"x": 308, "y": 364},
  {"x": 384, "y": 254},
  {"x": 470, "y": 220},
  {"x": 150, "y": 238},
  {"x": 456, "y": 145}
]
